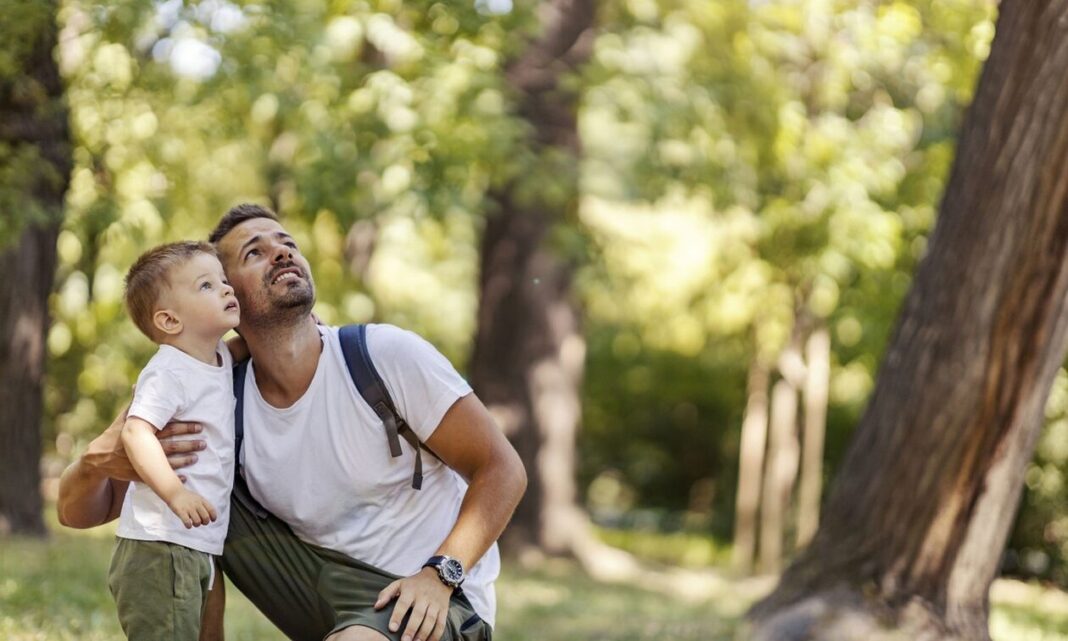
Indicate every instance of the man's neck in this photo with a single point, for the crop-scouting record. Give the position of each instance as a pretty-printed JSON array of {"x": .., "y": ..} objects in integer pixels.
[{"x": 285, "y": 358}]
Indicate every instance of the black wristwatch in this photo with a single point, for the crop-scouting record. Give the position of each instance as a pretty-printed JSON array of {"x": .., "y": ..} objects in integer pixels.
[{"x": 450, "y": 571}]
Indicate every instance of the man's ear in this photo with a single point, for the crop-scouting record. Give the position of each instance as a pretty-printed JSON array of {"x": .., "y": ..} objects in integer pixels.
[{"x": 167, "y": 322}]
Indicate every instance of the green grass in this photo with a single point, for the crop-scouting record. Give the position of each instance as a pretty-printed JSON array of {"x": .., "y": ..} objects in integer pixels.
[{"x": 54, "y": 590}]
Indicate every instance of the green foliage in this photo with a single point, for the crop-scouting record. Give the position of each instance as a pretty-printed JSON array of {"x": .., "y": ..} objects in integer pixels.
[
  {"x": 749, "y": 165},
  {"x": 745, "y": 164},
  {"x": 332, "y": 112},
  {"x": 23, "y": 171}
]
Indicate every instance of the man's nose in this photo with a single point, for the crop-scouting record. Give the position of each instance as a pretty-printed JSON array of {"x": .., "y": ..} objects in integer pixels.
[{"x": 282, "y": 252}]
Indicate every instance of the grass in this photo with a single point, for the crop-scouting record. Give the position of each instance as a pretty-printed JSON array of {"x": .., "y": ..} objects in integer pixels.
[{"x": 54, "y": 590}]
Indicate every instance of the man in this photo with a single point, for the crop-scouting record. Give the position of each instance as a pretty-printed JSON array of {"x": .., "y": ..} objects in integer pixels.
[{"x": 317, "y": 458}]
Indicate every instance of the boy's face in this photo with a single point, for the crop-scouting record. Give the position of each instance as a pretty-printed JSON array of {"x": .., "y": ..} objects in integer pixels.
[
  {"x": 200, "y": 298},
  {"x": 270, "y": 276}
]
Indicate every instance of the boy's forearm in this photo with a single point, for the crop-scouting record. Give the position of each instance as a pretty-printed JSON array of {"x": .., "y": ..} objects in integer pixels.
[{"x": 147, "y": 457}]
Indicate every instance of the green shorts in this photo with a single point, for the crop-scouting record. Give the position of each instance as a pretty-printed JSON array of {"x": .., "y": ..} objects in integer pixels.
[
  {"x": 159, "y": 589},
  {"x": 310, "y": 592}
]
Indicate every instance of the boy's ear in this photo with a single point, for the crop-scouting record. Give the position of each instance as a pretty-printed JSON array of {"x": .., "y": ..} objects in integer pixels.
[{"x": 167, "y": 322}]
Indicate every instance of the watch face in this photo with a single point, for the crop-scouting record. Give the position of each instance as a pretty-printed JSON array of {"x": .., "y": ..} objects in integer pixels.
[{"x": 452, "y": 571}]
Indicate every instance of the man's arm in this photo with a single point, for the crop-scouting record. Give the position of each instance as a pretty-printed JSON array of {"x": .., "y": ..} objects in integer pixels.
[
  {"x": 92, "y": 488},
  {"x": 469, "y": 441}
]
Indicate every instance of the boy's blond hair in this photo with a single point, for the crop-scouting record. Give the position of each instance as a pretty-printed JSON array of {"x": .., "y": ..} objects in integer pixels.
[{"x": 150, "y": 274}]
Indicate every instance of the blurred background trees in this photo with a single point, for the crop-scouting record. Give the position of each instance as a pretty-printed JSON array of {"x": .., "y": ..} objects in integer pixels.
[
  {"x": 35, "y": 164},
  {"x": 710, "y": 213}
]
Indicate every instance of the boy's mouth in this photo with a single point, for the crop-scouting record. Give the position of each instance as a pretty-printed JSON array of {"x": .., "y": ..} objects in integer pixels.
[{"x": 230, "y": 305}]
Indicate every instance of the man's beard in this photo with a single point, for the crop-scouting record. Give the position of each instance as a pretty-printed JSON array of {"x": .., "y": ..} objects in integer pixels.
[{"x": 293, "y": 304}]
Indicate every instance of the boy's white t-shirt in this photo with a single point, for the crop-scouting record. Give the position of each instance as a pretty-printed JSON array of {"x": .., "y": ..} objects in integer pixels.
[
  {"x": 174, "y": 386},
  {"x": 323, "y": 465}
]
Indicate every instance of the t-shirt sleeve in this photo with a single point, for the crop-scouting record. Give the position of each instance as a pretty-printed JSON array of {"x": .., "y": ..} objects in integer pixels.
[
  {"x": 421, "y": 381},
  {"x": 157, "y": 396}
]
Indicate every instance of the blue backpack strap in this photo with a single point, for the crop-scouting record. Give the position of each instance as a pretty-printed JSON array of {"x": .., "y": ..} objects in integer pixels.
[
  {"x": 241, "y": 491},
  {"x": 240, "y": 371},
  {"x": 373, "y": 390}
]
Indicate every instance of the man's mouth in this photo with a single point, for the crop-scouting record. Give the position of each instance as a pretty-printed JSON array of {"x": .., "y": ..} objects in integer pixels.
[{"x": 290, "y": 273}]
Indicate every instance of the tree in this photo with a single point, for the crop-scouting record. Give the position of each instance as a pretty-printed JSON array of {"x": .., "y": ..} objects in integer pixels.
[
  {"x": 529, "y": 351},
  {"x": 912, "y": 531},
  {"x": 34, "y": 168}
]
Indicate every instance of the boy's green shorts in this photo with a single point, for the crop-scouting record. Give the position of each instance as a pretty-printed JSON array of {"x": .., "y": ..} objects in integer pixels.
[
  {"x": 310, "y": 592},
  {"x": 159, "y": 589}
]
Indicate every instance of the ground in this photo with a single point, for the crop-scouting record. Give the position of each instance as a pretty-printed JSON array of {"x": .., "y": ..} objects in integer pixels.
[{"x": 55, "y": 591}]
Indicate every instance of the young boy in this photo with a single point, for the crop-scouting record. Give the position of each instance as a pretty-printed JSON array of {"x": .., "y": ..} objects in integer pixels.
[{"x": 168, "y": 532}]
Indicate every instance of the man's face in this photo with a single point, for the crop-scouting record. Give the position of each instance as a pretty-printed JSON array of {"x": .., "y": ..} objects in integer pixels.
[{"x": 271, "y": 278}]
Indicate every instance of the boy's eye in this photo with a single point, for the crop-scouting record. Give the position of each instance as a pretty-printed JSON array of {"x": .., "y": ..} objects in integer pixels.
[{"x": 205, "y": 285}]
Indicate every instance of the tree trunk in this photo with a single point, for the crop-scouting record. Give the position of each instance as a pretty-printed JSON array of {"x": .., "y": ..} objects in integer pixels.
[
  {"x": 779, "y": 475},
  {"x": 33, "y": 129},
  {"x": 913, "y": 529},
  {"x": 751, "y": 466},
  {"x": 817, "y": 379},
  {"x": 529, "y": 351}
]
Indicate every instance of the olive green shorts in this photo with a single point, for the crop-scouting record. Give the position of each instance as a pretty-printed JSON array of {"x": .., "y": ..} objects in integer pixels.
[
  {"x": 159, "y": 589},
  {"x": 310, "y": 592}
]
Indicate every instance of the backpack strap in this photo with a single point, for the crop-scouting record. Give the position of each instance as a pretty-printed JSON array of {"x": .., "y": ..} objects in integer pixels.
[
  {"x": 370, "y": 386},
  {"x": 241, "y": 491}
]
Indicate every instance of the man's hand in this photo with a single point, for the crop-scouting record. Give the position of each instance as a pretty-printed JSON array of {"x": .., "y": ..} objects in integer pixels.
[
  {"x": 193, "y": 509},
  {"x": 428, "y": 599},
  {"x": 107, "y": 458}
]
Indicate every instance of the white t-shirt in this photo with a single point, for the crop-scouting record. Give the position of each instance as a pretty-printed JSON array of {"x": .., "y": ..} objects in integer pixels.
[
  {"x": 323, "y": 465},
  {"x": 174, "y": 386}
]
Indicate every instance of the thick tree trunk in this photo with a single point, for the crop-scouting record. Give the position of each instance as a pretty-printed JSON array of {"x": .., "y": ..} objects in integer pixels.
[
  {"x": 33, "y": 125},
  {"x": 817, "y": 380},
  {"x": 751, "y": 466},
  {"x": 529, "y": 351},
  {"x": 914, "y": 527}
]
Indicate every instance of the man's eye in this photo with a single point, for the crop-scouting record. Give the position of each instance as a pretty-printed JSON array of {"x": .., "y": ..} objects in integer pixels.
[
  {"x": 291, "y": 244},
  {"x": 251, "y": 252}
]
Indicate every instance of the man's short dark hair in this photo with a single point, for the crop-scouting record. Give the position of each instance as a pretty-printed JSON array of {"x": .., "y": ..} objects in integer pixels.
[{"x": 237, "y": 215}]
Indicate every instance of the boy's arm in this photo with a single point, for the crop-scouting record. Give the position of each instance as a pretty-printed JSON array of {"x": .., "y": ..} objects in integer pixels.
[
  {"x": 146, "y": 455},
  {"x": 92, "y": 488}
]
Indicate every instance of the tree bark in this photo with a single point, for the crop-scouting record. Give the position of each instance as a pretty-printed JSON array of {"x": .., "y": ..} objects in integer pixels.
[
  {"x": 817, "y": 379},
  {"x": 751, "y": 466},
  {"x": 529, "y": 351},
  {"x": 33, "y": 124},
  {"x": 913, "y": 529}
]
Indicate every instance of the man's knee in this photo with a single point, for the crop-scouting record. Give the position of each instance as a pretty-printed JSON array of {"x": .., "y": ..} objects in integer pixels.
[{"x": 357, "y": 633}]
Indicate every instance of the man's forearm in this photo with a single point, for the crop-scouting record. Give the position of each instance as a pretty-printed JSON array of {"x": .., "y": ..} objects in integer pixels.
[
  {"x": 487, "y": 507},
  {"x": 87, "y": 499}
]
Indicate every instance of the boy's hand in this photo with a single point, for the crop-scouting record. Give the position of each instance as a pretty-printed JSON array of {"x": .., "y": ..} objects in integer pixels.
[{"x": 192, "y": 508}]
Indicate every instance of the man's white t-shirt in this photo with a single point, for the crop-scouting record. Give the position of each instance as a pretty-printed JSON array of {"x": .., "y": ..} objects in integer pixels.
[
  {"x": 174, "y": 386},
  {"x": 323, "y": 465}
]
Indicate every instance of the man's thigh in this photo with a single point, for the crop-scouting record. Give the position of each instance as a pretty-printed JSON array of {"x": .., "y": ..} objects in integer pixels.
[{"x": 311, "y": 593}]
